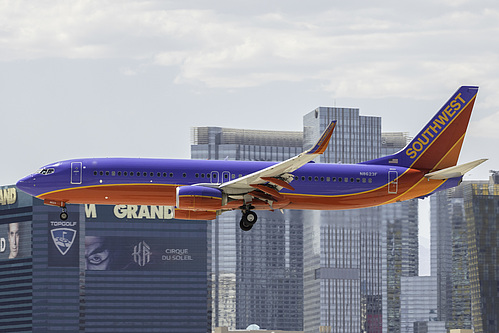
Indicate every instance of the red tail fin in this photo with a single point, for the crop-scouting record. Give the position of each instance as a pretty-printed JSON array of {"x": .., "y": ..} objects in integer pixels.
[{"x": 439, "y": 143}]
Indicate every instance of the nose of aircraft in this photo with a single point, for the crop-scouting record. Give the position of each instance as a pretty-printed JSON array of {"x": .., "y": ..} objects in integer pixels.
[{"x": 27, "y": 184}]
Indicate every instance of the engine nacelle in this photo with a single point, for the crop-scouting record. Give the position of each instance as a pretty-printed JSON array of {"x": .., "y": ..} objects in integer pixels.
[
  {"x": 182, "y": 214},
  {"x": 199, "y": 198}
]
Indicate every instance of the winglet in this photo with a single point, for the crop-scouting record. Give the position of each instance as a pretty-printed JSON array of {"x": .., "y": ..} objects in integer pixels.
[
  {"x": 455, "y": 171},
  {"x": 321, "y": 145}
]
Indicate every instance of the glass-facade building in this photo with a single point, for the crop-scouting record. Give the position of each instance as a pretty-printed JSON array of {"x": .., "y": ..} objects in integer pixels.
[
  {"x": 106, "y": 269},
  {"x": 354, "y": 260},
  {"x": 419, "y": 304},
  {"x": 449, "y": 257},
  {"x": 482, "y": 216},
  {"x": 256, "y": 276}
]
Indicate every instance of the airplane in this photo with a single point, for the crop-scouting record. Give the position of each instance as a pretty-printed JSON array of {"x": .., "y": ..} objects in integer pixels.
[{"x": 203, "y": 189}]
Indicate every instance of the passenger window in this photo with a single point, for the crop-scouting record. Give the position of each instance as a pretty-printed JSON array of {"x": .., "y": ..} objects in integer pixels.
[
  {"x": 101, "y": 173},
  {"x": 351, "y": 180},
  {"x": 131, "y": 173},
  {"x": 164, "y": 174},
  {"x": 151, "y": 174},
  {"x": 328, "y": 179},
  {"x": 340, "y": 179},
  {"x": 370, "y": 180},
  {"x": 334, "y": 179},
  {"x": 95, "y": 173},
  {"x": 358, "y": 180},
  {"x": 113, "y": 173},
  {"x": 196, "y": 175},
  {"x": 171, "y": 174},
  {"x": 316, "y": 178},
  {"x": 202, "y": 175},
  {"x": 184, "y": 175},
  {"x": 322, "y": 179},
  {"x": 145, "y": 174}
]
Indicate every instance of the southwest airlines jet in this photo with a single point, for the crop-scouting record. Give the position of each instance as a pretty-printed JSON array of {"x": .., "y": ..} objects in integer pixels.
[{"x": 203, "y": 189}]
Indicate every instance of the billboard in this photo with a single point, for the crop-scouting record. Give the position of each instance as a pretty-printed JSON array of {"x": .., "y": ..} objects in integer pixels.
[
  {"x": 15, "y": 225},
  {"x": 64, "y": 245},
  {"x": 15, "y": 239},
  {"x": 144, "y": 253}
]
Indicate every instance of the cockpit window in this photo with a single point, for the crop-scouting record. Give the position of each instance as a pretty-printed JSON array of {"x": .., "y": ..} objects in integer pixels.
[{"x": 46, "y": 171}]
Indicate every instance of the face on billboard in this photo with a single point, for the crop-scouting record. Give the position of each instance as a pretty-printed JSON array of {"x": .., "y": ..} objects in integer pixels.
[
  {"x": 13, "y": 234},
  {"x": 15, "y": 240},
  {"x": 97, "y": 254}
]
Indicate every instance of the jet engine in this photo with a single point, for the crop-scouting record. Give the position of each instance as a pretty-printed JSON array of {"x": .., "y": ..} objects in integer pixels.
[{"x": 196, "y": 197}]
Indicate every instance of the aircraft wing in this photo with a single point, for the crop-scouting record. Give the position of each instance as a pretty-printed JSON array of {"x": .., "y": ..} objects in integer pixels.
[{"x": 279, "y": 174}]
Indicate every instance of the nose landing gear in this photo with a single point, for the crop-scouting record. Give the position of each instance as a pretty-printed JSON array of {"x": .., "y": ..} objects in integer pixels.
[{"x": 64, "y": 214}]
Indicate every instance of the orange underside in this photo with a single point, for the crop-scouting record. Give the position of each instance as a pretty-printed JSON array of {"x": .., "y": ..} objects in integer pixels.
[{"x": 410, "y": 185}]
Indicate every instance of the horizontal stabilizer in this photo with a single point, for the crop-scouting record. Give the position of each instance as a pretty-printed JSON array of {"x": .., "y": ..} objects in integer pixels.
[{"x": 455, "y": 171}]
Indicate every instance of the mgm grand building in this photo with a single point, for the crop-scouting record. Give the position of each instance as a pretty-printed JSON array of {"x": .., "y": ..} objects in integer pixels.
[{"x": 105, "y": 269}]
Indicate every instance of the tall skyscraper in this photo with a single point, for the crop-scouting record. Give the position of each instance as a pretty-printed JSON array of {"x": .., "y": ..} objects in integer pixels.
[
  {"x": 257, "y": 276},
  {"x": 354, "y": 260},
  {"x": 449, "y": 257},
  {"x": 400, "y": 243},
  {"x": 482, "y": 215}
]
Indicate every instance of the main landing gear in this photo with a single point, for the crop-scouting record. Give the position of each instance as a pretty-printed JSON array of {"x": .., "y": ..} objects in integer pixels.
[{"x": 249, "y": 218}]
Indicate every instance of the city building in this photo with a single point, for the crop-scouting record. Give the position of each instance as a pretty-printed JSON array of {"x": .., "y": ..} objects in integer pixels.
[
  {"x": 257, "y": 276},
  {"x": 449, "y": 257},
  {"x": 354, "y": 260},
  {"x": 419, "y": 305},
  {"x": 108, "y": 268},
  {"x": 482, "y": 216}
]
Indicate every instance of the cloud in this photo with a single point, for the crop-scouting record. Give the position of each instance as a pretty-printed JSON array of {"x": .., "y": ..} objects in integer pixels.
[
  {"x": 487, "y": 127},
  {"x": 348, "y": 49}
]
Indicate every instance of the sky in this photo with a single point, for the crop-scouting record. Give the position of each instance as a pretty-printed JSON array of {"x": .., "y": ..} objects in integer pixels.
[{"x": 131, "y": 78}]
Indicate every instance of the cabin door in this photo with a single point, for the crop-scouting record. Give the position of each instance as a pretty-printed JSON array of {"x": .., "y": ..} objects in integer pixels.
[
  {"x": 393, "y": 182},
  {"x": 76, "y": 171}
]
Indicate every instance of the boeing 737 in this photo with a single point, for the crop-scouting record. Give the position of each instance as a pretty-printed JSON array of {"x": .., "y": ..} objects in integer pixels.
[{"x": 203, "y": 189}]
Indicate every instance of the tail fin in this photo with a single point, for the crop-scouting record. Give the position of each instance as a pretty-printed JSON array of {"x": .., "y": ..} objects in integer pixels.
[{"x": 439, "y": 143}]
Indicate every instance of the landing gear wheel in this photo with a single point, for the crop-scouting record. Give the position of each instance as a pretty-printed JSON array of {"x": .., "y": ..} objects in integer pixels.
[
  {"x": 244, "y": 225},
  {"x": 248, "y": 220},
  {"x": 64, "y": 214},
  {"x": 251, "y": 217}
]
